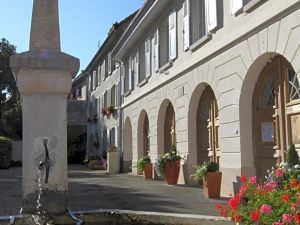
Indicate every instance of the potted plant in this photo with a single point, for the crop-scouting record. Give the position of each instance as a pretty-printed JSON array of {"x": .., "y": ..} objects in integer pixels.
[
  {"x": 144, "y": 165},
  {"x": 168, "y": 165},
  {"x": 104, "y": 111},
  {"x": 209, "y": 173},
  {"x": 111, "y": 110},
  {"x": 272, "y": 202}
]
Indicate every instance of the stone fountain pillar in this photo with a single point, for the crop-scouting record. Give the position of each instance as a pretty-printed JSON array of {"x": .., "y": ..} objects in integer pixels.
[{"x": 44, "y": 76}]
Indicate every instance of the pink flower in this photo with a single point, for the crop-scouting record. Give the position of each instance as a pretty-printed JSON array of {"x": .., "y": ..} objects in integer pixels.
[
  {"x": 252, "y": 180},
  {"x": 266, "y": 209},
  {"x": 293, "y": 206},
  {"x": 277, "y": 223},
  {"x": 279, "y": 172},
  {"x": 270, "y": 186},
  {"x": 287, "y": 218}
]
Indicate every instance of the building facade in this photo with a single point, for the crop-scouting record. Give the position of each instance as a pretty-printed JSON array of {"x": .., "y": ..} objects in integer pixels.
[
  {"x": 79, "y": 88},
  {"x": 220, "y": 76},
  {"x": 103, "y": 122}
]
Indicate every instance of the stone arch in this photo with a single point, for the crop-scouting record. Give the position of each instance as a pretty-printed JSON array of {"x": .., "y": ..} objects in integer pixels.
[
  {"x": 203, "y": 93},
  {"x": 192, "y": 125},
  {"x": 127, "y": 148},
  {"x": 248, "y": 166},
  {"x": 166, "y": 117},
  {"x": 143, "y": 142}
]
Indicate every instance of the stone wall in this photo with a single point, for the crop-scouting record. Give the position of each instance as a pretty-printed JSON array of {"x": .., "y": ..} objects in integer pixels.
[{"x": 5, "y": 154}]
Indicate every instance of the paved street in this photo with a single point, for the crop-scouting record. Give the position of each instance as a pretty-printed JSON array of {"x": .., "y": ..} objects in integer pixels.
[{"x": 90, "y": 190}]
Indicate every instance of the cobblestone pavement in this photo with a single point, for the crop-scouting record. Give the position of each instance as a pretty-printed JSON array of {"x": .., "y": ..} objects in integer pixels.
[{"x": 90, "y": 190}]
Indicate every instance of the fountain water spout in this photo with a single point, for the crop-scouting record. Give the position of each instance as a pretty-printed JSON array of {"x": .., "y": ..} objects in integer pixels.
[{"x": 46, "y": 163}]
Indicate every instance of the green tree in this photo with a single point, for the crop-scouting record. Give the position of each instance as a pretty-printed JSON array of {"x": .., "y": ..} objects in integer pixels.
[
  {"x": 7, "y": 82},
  {"x": 292, "y": 157},
  {"x": 10, "y": 106},
  {"x": 12, "y": 121}
]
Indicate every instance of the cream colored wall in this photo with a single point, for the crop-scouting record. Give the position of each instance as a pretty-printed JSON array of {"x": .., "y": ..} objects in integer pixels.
[
  {"x": 104, "y": 122},
  {"x": 230, "y": 63}
]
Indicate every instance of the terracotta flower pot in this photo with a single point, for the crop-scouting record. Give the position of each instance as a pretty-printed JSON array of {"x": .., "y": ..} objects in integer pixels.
[
  {"x": 212, "y": 184},
  {"x": 148, "y": 171},
  {"x": 171, "y": 171}
]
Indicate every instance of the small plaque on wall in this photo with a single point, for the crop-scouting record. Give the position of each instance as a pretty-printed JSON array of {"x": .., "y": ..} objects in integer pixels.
[
  {"x": 180, "y": 91},
  {"x": 267, "y": 132}
]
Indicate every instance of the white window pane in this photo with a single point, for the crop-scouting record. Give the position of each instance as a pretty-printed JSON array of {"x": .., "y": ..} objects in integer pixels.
[
  {"x": 172, "y": 36},
  {"x": 236, "y": 5},
  {"x": 211, "y": 12},
  {"x": 186, "y": 25}
]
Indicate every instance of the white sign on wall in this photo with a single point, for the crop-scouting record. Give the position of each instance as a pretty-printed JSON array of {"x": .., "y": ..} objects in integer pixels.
[{"x": 267, "y": 132}]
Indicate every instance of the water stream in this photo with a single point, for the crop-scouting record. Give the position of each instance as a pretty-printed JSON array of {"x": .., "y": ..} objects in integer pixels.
[{"x": 40, "y": 218}]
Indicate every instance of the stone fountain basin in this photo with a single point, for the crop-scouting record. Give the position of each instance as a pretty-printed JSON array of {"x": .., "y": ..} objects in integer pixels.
[{"x": 124, "y": 217}]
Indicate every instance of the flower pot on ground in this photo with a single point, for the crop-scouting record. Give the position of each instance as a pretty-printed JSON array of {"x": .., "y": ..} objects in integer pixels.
[
  {"x": 168, "y": 165},
  {"x": 212, "y": 178},
  {"x": 212, "y": 184},
  {"x": 171, "y": 171},
  {"x": 144, "y": 165}
]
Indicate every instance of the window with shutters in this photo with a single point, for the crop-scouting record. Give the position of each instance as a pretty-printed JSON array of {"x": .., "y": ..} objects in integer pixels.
[
  {"x": 109, "y": 64},
  {"x": 203, "y": 21},
  {"x": 94, "y": 80},
  {"x": 142, "y": 66},
  {"x": 105, "y": 99},
  {"x": 164, "y": 43},
  {"x": 103, "y": 70},
  {"x": 135, "y": 66},
  {"x": 155, "y": 51},
  {"x": 105, "y": 64},
  {"x": 99, "y": 75},
  {"x": 128, "y": 76},
  {"x": 90, "y": 83},
  {"x": 147, "y": 58},
  {"x": 172, "y": 35},
  {"x": 198, "y": 20},
  {"x": 113, "y": 96},
  {"x": 186, "y": 25},
  {"x": 238, "y": 6}
]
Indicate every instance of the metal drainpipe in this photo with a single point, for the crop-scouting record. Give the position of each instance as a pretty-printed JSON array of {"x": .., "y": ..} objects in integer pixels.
[{"x": 120, "y": 111}]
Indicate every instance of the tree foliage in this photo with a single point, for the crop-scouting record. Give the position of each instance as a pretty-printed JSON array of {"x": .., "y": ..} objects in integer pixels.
[
  {"x": 7, "y": 81},
  {"x": 292, "y": 157},
  {"x": 10, "y": 106}
]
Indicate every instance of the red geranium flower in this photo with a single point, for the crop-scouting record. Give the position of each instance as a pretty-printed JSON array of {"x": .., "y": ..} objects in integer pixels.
[
  {"x": 218, "y": 206},
  {"x": 285, "y": 198},
  {"x": 243, "y": 178},
  {"x": 237, "y": 218},
  {"x": 293, "y": 183},
  {"x": 234, "y": 202},
  {"x": 296, "y": 218},
  {"x": 254, "y": 216}
]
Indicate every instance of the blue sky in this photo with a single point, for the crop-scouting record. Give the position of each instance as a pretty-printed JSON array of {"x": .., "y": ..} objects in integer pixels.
[{"x": 83, "y": 23}]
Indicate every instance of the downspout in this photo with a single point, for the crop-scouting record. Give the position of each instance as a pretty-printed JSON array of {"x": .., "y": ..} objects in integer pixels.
[{"x": 120, "y": 113}]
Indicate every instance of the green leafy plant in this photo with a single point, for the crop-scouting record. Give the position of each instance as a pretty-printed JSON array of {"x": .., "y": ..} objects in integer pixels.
[
  {"x": 203, "y": 169},
  {"x": 141, "y": 163},
  {"x": 90, "y": 157},
  {"x": 161, "y": 161},
  {"x": 292, "y": 157},
  {"x": 111, "y": 110}
]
